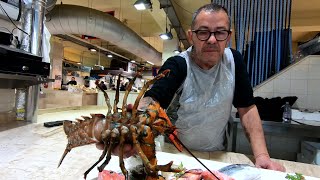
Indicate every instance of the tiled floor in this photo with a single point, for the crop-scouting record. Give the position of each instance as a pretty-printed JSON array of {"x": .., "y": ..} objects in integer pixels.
[{"x": 33, "y": 151}]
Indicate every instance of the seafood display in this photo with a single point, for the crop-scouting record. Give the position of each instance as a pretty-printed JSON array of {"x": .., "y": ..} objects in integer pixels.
[
  {"x": 115, "y": 129},
  {"x": 192, "y": 174}
]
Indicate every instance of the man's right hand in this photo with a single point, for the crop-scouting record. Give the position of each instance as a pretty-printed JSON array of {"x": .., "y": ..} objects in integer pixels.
[
  {"x": 128, "y": 150},
  {"x": 144, "y": 103}
]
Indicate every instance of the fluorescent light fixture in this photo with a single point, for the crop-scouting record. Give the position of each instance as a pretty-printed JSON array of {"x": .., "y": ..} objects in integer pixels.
[
  {"x": 133, "y": 61},
  {"x": 140, "y": 6},
  {"x": 79, "y": 63},
  {"x": 176, "y": 51},
  {"x": 143, "y": 4},
  {"x": 150, "y": 62},
  {"x": 92, "y": 50},
  {"x": 110, "y": 55},
  {"x": 166, "y": 36}
]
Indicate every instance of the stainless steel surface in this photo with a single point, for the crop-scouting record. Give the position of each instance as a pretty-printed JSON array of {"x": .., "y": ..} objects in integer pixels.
[
  {"x": 32, "y": 23},
  {"x": 26, "y": 24},
  {"x": 10, "y": 81},
  {"x": 71, "y": 19},
  {"x": 276, "y": 134},
  {"x": 38, "y": 7},
  {"x": 50, "y": 5},
  {"x": 32, "y": 103},
  {"x": 21, "y": 96}
]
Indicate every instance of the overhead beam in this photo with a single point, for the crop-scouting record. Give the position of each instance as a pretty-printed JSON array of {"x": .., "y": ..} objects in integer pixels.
[
  {"x": 158, "y": 15},
  {"x": 84, "y": 43},
  {"x": 168, "y": 8}
]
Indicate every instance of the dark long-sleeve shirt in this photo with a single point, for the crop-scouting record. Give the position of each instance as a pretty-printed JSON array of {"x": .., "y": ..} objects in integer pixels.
[{"x": 164, "y": 89}]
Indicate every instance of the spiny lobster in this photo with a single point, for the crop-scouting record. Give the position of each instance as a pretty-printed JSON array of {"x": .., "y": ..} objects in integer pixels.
[{"x": 120, "y": 128}]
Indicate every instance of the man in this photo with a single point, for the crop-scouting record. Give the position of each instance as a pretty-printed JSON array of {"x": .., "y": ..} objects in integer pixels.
[
  {"x": 208, "y": 78},
  {"x": 203, "y": 83},
  {"x": 73, "y": 81}
]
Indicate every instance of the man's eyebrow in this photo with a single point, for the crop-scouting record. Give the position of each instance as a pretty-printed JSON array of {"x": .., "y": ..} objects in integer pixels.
[
  {"x": 203, "y": 27},
  {"x": 222, "y": 28},
  {"x": 207, "y": 28}
]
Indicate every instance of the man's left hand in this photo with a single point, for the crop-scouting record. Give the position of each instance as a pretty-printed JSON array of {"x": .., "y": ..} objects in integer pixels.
[{"x": 266, "y": 163}]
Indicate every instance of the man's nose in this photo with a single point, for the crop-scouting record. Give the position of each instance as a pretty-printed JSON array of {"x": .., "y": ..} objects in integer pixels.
[{"x": 212, "y": 39}]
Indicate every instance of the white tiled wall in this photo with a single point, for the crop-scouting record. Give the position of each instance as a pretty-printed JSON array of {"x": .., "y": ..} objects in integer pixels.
[
  {"x": 301, "y": 79},
  {"x": 6, "y": 100}
]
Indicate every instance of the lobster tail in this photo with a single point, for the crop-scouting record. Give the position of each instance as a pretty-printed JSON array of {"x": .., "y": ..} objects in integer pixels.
[
  {"x": 80, "y": 133},
  {"x": 66, "y": 151}
]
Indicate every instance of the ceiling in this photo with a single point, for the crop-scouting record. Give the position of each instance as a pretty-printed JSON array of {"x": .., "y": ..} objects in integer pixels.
[{"x": 149, "y": 24}]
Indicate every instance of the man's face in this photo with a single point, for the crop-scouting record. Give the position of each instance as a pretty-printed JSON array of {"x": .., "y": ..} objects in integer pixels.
[{"x": 208, "y": 53}]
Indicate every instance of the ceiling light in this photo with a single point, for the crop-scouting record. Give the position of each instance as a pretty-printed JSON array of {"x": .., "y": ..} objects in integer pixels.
[
  {"x": 166, "y": 36},
  {"x": 92, "y": 50},
  {"x": 143, "y": 4},
  {"x": 150, "y": 62},
  {"x": 79, "y": 63},
  {"x": 176, "y": 51},
  {"x": 110, "y": 55},
  {"x": 133, "y": 61}
]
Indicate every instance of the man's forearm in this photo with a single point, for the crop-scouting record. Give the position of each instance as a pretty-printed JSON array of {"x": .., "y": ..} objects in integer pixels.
[{"x": 251, "y": 123}]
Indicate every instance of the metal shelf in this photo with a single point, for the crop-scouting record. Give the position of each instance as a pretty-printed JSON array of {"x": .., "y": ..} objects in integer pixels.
[{"x": 10, "y": 81}]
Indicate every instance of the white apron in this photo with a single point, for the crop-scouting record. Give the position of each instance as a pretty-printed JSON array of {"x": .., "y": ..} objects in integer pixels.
[{"x": 205, "y": 103}]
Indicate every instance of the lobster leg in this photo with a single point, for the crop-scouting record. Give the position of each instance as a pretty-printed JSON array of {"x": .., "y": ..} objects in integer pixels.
[
  {"x": 114, "y": 135},
  {"x": 116, "y": 100},
  {"x": 168, "y": 168},
  {"x": 106, "y": 138},
  {"x": 106, "y": 97},
  {"x": 108, "y": 157},
  {"x": 100, "y": 159},
  {"x": 151, "y": 169},
  {"x": 125, "y": 97},
  {"x": 144, "y": 89},
  {"x": 123, "y": 134}
]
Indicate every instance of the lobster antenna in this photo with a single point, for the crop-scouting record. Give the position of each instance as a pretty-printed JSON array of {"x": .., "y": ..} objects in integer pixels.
[
  {"x": 116, "y": 99},
  {"x": 144, "y": 89},
  {"x": 176, "y": 137},
  {"x": 106, "y": 97},
  {"x": 125, "y": 98}
]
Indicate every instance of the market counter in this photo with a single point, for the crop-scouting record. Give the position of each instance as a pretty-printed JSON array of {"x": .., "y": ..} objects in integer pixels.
[
  {"x": 277, "y": 134},
  {"x": 62, "y": 98},
  {"x": 112, "y": 94},
  {"x": 238, "y": 158}
]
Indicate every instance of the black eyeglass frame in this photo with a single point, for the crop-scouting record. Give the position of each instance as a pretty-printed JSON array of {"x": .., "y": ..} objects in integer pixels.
[{"x": 211, "y": 32}]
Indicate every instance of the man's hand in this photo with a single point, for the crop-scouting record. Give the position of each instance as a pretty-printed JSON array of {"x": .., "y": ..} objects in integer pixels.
[
  {"x": 144, "y": 103},
  {"x": 128, "y": 150},
  {"x": 265, "y": 162}
]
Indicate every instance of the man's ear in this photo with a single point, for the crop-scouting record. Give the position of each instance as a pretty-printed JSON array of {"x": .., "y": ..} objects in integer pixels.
[
  {"x": 190, "y": 37},
  {"x": 229, "y": 38}
]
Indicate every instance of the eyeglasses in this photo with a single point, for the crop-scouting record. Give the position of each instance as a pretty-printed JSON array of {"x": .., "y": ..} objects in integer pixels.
[{"x": 204, "y": 35}]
